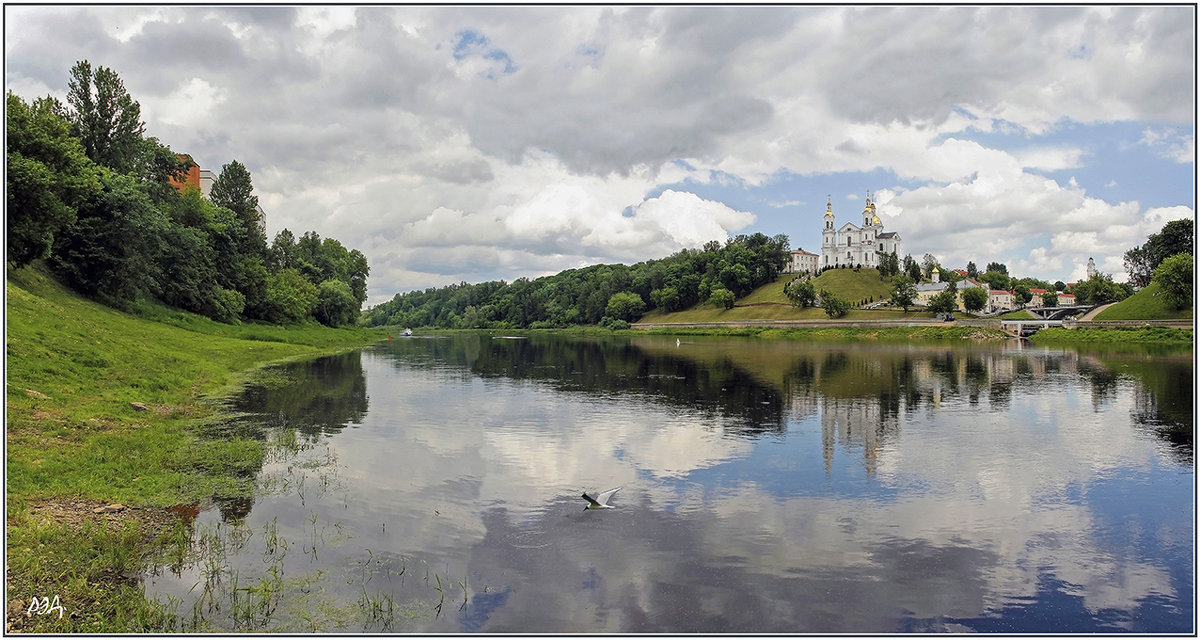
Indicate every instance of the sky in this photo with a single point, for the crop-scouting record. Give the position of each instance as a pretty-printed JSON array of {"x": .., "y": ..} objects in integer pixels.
[{"x": 453, "y": 144}]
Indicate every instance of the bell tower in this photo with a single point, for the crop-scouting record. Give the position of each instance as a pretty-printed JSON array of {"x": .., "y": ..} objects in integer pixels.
[{"x": 828, "y": 235}]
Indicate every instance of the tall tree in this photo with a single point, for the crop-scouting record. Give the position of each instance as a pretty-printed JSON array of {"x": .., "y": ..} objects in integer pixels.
[
  {"x": 1137, "y": 265},
  {"x": 48, "y": 176},
  {"x": 104, "y": 117},
  {"x": 234, "y": 190}
]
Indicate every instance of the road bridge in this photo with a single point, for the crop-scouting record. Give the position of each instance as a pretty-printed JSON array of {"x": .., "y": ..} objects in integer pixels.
[{"x": 1058, "y": 313}]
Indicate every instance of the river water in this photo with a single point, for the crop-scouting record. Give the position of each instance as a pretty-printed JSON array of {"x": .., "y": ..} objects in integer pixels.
[{"x": 434, "y": 485}]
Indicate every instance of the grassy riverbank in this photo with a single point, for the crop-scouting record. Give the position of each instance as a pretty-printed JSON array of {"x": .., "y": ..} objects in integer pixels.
[
  {"x": 1115, "y": 336},
  {"x": 101, "y": 409}
]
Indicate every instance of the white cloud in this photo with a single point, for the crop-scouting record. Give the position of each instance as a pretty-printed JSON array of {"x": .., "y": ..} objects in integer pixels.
[
  {"x": 1170, "y": 143},
  {"x": 360, "y": 122},
  {"x": 194, "y": 100}
]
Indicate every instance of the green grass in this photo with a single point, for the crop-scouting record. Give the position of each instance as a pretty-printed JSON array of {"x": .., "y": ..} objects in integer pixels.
[
  {"x": 769, "y": 302},
  {"x": 854, "y": 286},
  {"x": 1115, "y": 335},
  {"x": 74, "y": 368},
  {"x": 1146, "y": 304}
]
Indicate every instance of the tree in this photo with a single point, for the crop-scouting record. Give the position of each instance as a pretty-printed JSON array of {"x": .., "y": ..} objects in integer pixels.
[
  {"x": 233, "y": 190},
  {"x": 998, "y": 267},
  {"x": 112, "y": 249},
  {"x": 972, "y": 270},
  {"x": 290, "y": 297},
  {"x": 974, "y": 299},
  {"x": 336, "y": 305},
  {"x": 1177, "y": 236},
  {"x": 1050, "y": 299},
  {"x": 1098, "y": 289},
  {"x": 279, "y": 256},
  {"x": 996, "y": 280},
  {"x": 625, "y": 306},
  {"x": 912, "y": 269},
  {"x": 801, "y": 293},
  {"x": 835, "y": 306},
  {"x": 904, "y": 291},
  {"x": 104, "y": 117},
  {"x": 1059, "y": 285},
  {"x": 48, "y": 176},
  {"x": 942, "y": 302},
  {"x": 1137, "y": 265},
  {"x": 1022, "y": 294},
  {"x": 928, "y": 264},
  {"x": 666, "y": 298},
  {"x": 721, "y": 297},
  {"x": 1174, "y": 276}
]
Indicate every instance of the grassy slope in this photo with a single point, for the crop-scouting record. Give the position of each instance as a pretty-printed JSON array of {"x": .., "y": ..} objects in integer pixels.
[
  {"x": 769, "y": 302},
  {"x": 73, "y": 368},
  {"x": 1146, "y": 304}
]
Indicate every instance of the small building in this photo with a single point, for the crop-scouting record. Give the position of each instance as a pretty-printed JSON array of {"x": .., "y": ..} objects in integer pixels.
[
  {"x": 1066, "y": 299},
  {"x": 999, "y": 300},
  {"x": 803, "y": 262},
  {"x": 1036, "y": 300}
]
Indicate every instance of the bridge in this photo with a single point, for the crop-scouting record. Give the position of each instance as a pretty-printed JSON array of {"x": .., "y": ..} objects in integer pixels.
[
  {"x": 1023, "y": 328},
  {"x": 1058, "y": 313}
]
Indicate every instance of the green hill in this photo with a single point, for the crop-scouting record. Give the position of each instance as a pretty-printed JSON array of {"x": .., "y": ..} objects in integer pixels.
[
  {"x": 769, "y": 302},
  {"x": 1146, "y": 304},
  {"x": 853, "y": 285}
]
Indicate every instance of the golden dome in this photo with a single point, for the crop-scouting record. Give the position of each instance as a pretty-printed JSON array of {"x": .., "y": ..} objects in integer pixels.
[{"x": 829, "y": 209}]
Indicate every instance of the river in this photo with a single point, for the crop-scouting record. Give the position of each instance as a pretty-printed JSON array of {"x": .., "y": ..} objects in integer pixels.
[{"x": 433, "y": 485}]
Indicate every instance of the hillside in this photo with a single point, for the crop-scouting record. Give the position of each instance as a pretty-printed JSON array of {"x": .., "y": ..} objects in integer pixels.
[
  {"x": 769, "y": 302},
  {"x": 1146, "y": 304},
  {"x": 100, "y": 409}
]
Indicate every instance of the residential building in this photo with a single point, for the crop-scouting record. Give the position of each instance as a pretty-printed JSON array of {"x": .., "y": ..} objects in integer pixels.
[
  {"x": 1000, "y": 300},
  {"x": 804, "y": 262}
]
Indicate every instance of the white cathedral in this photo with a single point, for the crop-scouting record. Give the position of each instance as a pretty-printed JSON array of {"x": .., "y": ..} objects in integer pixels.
[{"x": 852, "y": 246}]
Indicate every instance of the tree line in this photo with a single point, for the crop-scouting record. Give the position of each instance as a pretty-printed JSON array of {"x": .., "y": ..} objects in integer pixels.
[
  {"x": 93, "y": 195},
  {"x": 611, "y": 295}
]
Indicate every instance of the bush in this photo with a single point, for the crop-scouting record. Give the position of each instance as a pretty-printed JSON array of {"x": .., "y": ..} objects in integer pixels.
[
  {"x": 226, "y": 305},
  {"x": 834, "y": 306}
]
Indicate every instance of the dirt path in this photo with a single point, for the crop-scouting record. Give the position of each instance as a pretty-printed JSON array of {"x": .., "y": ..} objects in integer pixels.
[{"x": 1092, "y": 314}]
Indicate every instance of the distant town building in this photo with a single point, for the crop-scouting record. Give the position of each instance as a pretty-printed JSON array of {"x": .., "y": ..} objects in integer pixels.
[
  {"x": 1091, "y": 269},
  {"x": 804, "y": 262},
  {"x": 852, "y": 246}
]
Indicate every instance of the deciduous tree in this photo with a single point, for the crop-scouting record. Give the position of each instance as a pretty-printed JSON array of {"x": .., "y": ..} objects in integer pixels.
[
  {"x": 974, "y": 299},
  {"x": 904, "y": 291},
  {"x": 1174, "y": 275},
  {"x": 48, "y": 176}
]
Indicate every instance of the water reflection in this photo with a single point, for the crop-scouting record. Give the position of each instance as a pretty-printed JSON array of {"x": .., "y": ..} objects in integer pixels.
[{"x": 770, "y": 486}]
